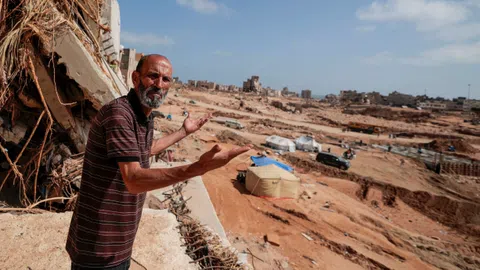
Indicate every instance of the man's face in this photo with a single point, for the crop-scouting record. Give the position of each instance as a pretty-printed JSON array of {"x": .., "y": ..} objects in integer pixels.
[{"x": 153, "y": 82}]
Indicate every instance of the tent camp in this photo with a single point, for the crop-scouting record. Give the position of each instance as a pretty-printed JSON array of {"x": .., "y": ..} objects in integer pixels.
[
  {"x": 272, "y": 181},
  {"x": 280, "y": 143},
  {"x": 307, "y": 143}
]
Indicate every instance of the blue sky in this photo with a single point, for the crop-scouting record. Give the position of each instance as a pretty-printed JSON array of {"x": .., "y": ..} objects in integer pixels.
[{"x": 325, "y": 46}]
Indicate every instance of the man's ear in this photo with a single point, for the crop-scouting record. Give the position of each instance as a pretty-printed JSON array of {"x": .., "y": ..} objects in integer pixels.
[{"x": 136, "y": 78}]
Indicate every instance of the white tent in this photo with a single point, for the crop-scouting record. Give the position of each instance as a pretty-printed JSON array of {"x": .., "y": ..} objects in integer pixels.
[
  {"x": 307, "y": 143},
  {"x": 272, "y": 181},
  {"x": 280, "y": 143}
]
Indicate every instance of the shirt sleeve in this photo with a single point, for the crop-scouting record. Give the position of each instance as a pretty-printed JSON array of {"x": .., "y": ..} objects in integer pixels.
[{"x": 121, "y": 139}]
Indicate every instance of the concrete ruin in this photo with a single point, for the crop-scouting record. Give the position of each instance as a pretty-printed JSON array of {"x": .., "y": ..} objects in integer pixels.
[
  {"x": 128, "y": 65},
  {"x": 252, "y": 85},
  {"x": 206, "y": 85},
  {"x": 306, "y": 94}
]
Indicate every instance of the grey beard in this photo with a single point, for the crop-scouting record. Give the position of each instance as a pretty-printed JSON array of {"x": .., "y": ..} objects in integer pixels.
[{"x": 149, "y": 102}]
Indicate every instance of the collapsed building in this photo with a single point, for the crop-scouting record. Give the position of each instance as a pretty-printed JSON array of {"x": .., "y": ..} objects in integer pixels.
[
  {"x": 55, "y": 74},
  {"x": 252, "y": 85}
]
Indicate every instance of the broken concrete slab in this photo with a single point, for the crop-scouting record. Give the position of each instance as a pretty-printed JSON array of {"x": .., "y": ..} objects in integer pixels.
[
  {"x": 14, "y": 135},
  {"x": 37, "y": 241},
  {"x": 91, "y": 76},
  {"x": 273, "y": 239}
]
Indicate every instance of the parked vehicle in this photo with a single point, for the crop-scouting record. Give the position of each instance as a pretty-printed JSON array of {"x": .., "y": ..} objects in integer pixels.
[
  {"x": 233, "y": 124},
  {"x": 333, "y": 160},
  {"x": 363, "y": 128}
]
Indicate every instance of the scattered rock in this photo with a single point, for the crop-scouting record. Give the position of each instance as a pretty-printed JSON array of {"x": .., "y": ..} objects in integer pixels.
[{"x": 273, "y": 239}]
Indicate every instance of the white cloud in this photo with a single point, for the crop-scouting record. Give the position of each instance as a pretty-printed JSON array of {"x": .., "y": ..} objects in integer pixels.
[
  {"x": 366, "y": 28},
  {"x": 222, "y": 53},
  {"x": 449, "y": 54},
  {"x": 145, "y": 39},
  {"x": 205, "y": 6},
  {"x": 442, "y": 19},
  {"x": 426, "y": 14}
]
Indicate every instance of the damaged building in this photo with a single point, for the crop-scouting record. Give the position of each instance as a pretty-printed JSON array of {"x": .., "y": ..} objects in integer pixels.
[
  {"x": 306, "y": 94},
  {"x": 52, "y": 83},
  {"x": 206, "y": 85},
  {"x": 252, "y": 85}
]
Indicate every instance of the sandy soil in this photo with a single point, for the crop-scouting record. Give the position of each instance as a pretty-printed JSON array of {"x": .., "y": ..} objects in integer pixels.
[
  {"x": 37, "y": 242},
  {"x": 352, "y": 233}
]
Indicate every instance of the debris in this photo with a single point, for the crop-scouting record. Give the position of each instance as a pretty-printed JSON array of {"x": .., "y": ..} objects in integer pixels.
[
  {"x": 329, "y": 210},
  {"x": 253, "y": 255},
  {"x": 323, "y": 184},
  {"x": 279, "y": 218},
  {"x": 305, "y": 194},
  {"x": 293, "y": 212},
  {"x": 273, "y": 239},
  {"x": 308, "y": 237},
  {"x": 310, "y": 259}
]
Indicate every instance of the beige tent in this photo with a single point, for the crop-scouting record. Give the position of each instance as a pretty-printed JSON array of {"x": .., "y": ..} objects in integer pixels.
[{"x": 272, "y": 181}]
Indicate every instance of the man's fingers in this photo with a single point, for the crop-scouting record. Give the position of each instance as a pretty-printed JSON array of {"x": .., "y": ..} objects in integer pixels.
[
  {"x": 238, "y": 151},
  {"x": 211, "y": 153}
]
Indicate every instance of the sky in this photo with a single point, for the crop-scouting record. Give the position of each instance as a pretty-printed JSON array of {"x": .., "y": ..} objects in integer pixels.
[{"x": 411, "y": 46}]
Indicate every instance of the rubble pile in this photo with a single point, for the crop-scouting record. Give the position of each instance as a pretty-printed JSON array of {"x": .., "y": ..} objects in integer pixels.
[
  {"x": 442, "y": 145},
  {"x": 290, "y": 107},
  {"x": 204, "y": 247},
  {"x": 227, "y": 136},
  {"x": 54, "y": 77},
  {"x": 389, "y": 114}
]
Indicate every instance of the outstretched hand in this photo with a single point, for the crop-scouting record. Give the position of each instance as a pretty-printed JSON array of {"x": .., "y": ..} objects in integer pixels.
[
  {"x": 191, "y": 125},
  {"x": 216, "y": 158}
]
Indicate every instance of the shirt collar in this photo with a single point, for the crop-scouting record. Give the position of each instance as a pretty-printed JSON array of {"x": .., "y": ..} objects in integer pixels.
[{"x": 132, "y": 97}]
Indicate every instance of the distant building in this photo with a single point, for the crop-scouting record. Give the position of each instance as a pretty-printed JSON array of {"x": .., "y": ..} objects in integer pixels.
[
  {"x": 399, "y": 99},
  {"x": 471, "y": 104},
  {"x": 252, "y": 85},
  {"x": 221, "y": 87},
  {"x": 192, "y": 83},
  {"x": 435, "y": 105},
  {"x": 128, "y": 66},
  {"x": 307, "y": 94},
  {"x": 206, "y": 85},
  {"x": 351, "y": 96}
]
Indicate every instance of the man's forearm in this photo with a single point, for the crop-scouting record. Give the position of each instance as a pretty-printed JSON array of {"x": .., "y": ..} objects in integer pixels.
[
  {"x": 142, "y": 180},
  {"x": 163, "y": 143}
]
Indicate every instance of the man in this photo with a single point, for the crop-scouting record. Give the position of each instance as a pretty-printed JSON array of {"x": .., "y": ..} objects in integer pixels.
[{"x": 116, "y": 170}]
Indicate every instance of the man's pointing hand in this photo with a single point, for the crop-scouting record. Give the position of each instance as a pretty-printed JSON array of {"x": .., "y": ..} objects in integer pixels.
[{"x": 216, "y": 158}]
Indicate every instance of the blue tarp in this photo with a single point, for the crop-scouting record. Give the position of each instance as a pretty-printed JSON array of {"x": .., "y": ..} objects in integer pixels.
[{"x": 264, "y": 161}]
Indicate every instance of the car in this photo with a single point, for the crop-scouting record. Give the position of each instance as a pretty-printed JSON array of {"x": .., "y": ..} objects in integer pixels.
[
  {"x": 333, "y": 160},
  {"x": 193, "y": 102},
  {"x": 233, "y": 124}
]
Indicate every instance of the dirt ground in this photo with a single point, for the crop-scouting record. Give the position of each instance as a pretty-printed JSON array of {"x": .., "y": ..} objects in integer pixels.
[
  {"x": 347, "y": 231},
  {"x": 385, "y": 212}
]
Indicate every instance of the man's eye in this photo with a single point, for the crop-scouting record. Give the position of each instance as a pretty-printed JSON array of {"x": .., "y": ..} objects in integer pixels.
[{"x": 166, "y": 79}]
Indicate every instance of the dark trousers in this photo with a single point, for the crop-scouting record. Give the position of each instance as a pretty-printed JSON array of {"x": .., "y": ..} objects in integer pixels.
[{"x": 123, "y": 266}]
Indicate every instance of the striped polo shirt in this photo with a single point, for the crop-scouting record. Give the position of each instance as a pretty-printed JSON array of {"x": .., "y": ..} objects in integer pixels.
[{"x": 106, "y": 216}]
